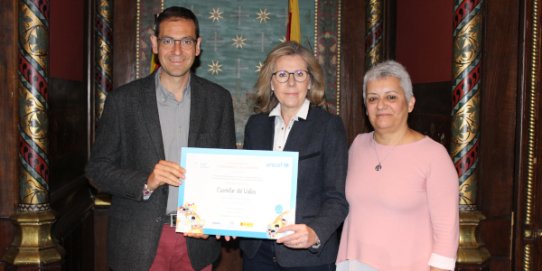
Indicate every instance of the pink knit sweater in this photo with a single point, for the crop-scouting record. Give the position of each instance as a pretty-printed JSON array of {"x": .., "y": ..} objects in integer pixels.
[{"x": 405, "y": 215}]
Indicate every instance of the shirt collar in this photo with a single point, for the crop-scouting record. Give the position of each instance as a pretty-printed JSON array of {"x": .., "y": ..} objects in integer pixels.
[
  {"x": 301, "y": 114},
  {"x": 163, "y": 93}
]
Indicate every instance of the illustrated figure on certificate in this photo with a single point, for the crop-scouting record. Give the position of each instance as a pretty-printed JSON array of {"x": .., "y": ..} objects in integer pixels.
[
  {"x": 281, "y": 220},
  {"x": 188, "y": 219}
]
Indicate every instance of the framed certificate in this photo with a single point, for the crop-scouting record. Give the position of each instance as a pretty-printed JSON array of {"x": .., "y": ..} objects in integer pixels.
[{"x": 240, "y": 193}]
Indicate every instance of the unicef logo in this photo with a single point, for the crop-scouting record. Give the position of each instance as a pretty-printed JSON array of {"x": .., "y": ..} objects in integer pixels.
[{"x": 278, "y": 165}]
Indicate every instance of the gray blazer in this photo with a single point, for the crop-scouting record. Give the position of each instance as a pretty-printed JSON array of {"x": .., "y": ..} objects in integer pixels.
[
  {"x": 321, "y": 203},
  {"x": 128, "y": 145}
]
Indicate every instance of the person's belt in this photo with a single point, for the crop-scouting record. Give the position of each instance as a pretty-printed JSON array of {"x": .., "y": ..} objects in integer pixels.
[{"x": 170, "y": 219}]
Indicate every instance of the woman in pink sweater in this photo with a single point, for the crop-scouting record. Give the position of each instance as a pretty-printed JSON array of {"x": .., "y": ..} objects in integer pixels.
[{"x": 402, "y": 187}]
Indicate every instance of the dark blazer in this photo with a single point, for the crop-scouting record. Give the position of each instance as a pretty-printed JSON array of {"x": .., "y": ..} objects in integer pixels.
[
  {"x": 321, "y": 203},
  {"x": 128, "y": 145}
]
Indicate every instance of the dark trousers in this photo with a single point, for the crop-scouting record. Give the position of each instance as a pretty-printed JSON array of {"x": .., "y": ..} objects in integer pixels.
[{"x": 265, "y": 260}]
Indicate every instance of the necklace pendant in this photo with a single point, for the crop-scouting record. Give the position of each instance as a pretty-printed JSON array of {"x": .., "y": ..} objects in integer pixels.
[{"x": 378, "y": 167}]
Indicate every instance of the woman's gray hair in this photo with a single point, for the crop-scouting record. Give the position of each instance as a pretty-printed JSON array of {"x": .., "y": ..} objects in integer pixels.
[{"x": 389, "y": 68}]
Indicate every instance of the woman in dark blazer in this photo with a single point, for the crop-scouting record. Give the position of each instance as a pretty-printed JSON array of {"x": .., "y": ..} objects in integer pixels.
[{"x": 289, "y": 100}]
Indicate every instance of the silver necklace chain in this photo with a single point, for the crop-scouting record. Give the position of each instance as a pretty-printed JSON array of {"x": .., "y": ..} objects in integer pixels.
[{"x": 378, "y": 166}]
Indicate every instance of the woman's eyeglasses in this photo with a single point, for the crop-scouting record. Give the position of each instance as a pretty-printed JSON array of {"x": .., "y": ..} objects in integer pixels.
[{"x": 284, "y": 76}]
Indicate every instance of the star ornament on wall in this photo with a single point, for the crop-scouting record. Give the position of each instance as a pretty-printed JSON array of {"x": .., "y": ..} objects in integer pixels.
[
  {"x": 216, "y": 15},
  {"x": 215, "y": 67},
  {"x": 263, "y": 16},
  {"x": 239, "y": 41},
  {"x": 259, "y": 66}
]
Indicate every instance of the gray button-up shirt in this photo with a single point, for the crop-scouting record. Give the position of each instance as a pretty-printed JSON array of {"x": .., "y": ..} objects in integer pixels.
[{"x": 174, "y": 123}]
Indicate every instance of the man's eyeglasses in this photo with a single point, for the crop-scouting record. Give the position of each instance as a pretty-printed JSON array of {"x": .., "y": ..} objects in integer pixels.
[
  {"x": 186, "y": 42},
  {"x": 284, "y": 76}
]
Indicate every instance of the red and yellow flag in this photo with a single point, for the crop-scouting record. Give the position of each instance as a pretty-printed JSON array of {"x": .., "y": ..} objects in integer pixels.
[
  {"x": 293, "y": 32},
  {"x": 154, "y": 65}
]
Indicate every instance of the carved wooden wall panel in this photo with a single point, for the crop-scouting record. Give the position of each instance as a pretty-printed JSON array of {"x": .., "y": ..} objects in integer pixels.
[
  {"x": 498, "y": 129},
  {"x": 8, "y": 111},
  {"x": 352, "y": 66},
  {"x": 528, "y": 219}
]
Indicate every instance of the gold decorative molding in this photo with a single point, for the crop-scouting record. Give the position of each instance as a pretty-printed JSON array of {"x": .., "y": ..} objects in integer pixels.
[
  {"x": 467, "y": 61},
  {"x": 102, "y": 200},
  {"x": 471, "y": 250},
  {"x": 374, "y": 21},
  {"x": 138, "y": 22},
  {"x": 103, "y": 51},
  {"x": 338, "y": 74},
  {"x": 532, "y": 78},
  {"x": 33, "y": 245}
]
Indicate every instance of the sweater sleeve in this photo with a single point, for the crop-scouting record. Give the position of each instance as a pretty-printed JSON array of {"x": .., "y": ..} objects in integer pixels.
[{"x": 443, "y": 200}]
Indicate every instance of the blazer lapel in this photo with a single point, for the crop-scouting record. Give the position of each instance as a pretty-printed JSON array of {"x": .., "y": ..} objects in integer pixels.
[
  {"x": 298, "y": 133},
  {"x": 197, "y": 109},
  {"x": 149, "y": 113},
  {"x": 268, "y": 133}
]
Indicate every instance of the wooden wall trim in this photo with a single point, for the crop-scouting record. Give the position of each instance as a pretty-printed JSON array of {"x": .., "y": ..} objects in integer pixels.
[
  {"x": 8, "y": 121},
  {"x": 431, "y": 114},
  {"x": 352, "y": 109},
  {"x": 352, "y": 68},
  {"x": 124, "y": 42},
  {"x": 8, "y": 110},
  {"x": 72, "y": 202},
  {"x": 529, "y": 133},
  {"x": 498, "y": 111}
]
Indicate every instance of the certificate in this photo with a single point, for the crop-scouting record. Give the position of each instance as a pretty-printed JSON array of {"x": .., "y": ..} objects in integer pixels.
[{"x": 242, "y": 193}]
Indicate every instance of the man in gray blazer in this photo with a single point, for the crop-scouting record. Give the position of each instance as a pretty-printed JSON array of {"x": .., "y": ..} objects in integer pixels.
[{"x": 136, "y": 153}]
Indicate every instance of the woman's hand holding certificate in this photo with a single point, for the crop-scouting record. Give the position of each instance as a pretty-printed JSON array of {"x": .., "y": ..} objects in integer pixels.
[{"x": 302, "y": 236}]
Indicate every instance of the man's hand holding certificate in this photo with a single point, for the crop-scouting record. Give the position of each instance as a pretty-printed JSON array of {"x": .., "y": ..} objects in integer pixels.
[{"x": 237, "y": 192}]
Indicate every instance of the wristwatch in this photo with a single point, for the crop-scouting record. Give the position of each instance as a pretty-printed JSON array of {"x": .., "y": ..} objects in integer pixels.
[{"x": 146, "y": 192}]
